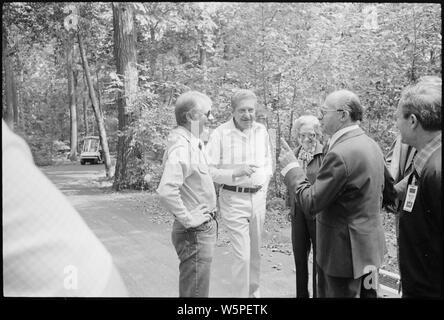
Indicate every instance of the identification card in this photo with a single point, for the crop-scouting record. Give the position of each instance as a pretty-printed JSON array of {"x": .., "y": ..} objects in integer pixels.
[{"x": 412, "y": 191}]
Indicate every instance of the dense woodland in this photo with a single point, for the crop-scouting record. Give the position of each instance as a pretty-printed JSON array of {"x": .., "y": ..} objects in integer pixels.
[{"x": 114, "y": 69}]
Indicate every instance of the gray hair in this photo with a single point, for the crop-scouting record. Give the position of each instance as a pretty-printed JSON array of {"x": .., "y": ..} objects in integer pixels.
[
  {"x": 242, "y": 94},
  {"x": 423, "y": 99},
  {"x": 308, "y": 120},
  {"x": 187, "y": 102}
]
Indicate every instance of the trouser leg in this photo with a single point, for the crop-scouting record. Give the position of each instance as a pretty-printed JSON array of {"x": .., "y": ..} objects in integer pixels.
[
  {"x": 256, "y": 227},
  {"x": 312, "y": 231},
  {"x": 337, "y": 287},
  {"x": 301, "y": 249},
  {"x": 195, "y": 249},
  {"x": 236, "y": 214}
]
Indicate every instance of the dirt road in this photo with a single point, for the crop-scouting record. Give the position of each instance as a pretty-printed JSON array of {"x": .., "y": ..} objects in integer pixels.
[{"x": 136, "y": 231}]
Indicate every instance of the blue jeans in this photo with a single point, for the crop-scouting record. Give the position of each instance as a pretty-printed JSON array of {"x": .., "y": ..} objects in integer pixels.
[{"x": 195, "y": 249}]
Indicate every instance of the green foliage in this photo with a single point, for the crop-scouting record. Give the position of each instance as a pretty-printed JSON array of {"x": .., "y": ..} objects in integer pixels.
[{"x": 291, "y": 54}]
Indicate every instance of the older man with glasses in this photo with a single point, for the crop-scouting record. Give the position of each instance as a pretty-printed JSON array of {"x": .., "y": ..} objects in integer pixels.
[{"x": 346, "y": 196}]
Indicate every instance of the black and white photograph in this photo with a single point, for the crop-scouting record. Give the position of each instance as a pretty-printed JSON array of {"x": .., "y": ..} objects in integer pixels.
[{"x": 222, "y": 150}]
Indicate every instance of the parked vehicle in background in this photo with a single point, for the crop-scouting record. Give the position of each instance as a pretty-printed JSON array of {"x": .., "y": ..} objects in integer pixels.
[{"x": 92, "y": 150}]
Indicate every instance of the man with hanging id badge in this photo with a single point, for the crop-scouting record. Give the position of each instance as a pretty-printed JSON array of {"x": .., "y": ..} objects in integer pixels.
[{"x": 421, "y": 230}]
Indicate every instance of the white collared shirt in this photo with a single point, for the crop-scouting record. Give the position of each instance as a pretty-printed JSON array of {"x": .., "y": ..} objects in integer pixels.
[
  {"x": 228, "y": 146},
  {"x": 186, "y": 181}
]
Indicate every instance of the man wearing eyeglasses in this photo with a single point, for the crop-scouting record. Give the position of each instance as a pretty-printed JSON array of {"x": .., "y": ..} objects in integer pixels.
[
  {"x": 346, "y": 196},
  {"x": 240, "y": 161},
  {"x": 186, "y": 190}
]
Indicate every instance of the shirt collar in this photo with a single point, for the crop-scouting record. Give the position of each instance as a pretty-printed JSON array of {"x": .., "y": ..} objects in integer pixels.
[
  {"x": 340, "y": 133},
  {"x": 184, "y": 132},
  {"x": 425, "y": 153}
]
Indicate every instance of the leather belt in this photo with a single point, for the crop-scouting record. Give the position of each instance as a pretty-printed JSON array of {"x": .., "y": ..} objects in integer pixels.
[{"x": 241, "y": 189}]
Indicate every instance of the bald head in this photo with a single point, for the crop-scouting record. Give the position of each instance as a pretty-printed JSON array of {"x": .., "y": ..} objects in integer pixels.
[{"x": 347, "y": 101}]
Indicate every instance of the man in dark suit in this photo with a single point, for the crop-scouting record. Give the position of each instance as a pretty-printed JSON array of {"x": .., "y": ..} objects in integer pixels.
[{"x": 346, "y": 197}]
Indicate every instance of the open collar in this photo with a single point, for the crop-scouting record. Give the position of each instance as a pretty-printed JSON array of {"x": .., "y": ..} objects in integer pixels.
[
  {"x": 424, "y": 154},
  {"x": 189, "y": 137}
]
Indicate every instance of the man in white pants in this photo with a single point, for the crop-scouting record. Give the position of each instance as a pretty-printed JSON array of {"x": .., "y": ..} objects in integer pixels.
[{"x": 240, "y": 161}]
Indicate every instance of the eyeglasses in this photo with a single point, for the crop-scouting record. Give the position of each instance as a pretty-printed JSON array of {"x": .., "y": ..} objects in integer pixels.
[
  {"x": 307, "y": 135},
  {"x": 205, "y": 114},
  {"x": 322, "y": 112}
]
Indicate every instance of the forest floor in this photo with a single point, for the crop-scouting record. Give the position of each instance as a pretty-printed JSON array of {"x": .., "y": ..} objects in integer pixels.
[{"x": 276, "y": 247}]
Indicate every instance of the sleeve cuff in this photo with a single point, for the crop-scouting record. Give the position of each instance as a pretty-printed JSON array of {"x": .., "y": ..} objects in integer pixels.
[{"x": 289, "y": 167}]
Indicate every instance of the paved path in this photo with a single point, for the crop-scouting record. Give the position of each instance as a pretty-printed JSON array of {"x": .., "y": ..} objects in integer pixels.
[{"x": 142, "y": 249}]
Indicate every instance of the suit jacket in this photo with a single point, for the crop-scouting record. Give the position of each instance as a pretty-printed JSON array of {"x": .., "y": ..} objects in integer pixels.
[
  {"x": 311, "y": 172},
  {"x": 421, "y": 235},
  {"x": 399, "y": 160},
  {"x": 347, "y": 196}
]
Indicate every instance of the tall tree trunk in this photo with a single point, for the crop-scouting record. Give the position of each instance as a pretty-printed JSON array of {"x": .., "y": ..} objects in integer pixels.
[
  {"x": 85, "y": 103},
  {"x": 96, "y": 108},
  {"x": 125, "y": 55},
  {"x": 264, "y": 77},
  {"x": 99, "y": 97},
  {"x": 10, "y": 113},
  {"x": 412, "y": 72},
  {"x": 279, "y": 129},
  {"x": 153, "y": 52},
  {"x": 71, "y": 97},
  {"x": 203, "y": 59},
  {"x": 85, "y": 115},
  {"x": 292, "y": 112}
]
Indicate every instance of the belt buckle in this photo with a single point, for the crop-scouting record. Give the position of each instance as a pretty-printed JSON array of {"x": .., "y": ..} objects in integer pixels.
[{"x": 213, "y": 214}]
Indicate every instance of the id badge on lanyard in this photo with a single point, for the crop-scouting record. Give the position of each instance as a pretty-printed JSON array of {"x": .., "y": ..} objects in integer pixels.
[{"x": 412, "y": 191}]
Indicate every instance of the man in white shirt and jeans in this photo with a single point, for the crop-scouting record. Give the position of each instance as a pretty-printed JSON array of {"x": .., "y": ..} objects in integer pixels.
[
  {"x": 241, "y": 162},
  {"x": 186, "y": 190}
]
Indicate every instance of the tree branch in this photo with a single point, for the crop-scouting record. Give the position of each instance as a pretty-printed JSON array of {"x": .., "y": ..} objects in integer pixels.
[
  {"x": 272, "y": 17},
  {"x": 312, "y": 64}
]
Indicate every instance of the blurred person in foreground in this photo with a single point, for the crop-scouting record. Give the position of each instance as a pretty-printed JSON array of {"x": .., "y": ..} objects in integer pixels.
[
  {"x": 418, "y": 118},
  {"x": 347, "y": 196},
  {"x": 186, "y": 190},
  {"x": 48, "y": 250},
  {"x": 309, "y": 153}
]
